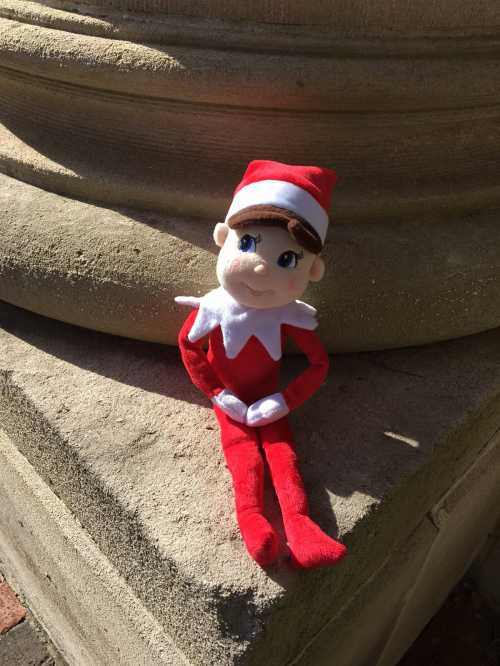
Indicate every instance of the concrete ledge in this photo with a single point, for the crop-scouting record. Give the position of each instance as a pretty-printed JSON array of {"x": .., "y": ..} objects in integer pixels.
[
  {"x": 464, "y": 518},
  {"x": 117, "y": 432},
  {"x": 79, "y": 597},
  {"x": 486, "y": 569}
]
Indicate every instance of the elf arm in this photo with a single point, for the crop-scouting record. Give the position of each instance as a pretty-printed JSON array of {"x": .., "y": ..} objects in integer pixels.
[
  {"x": 276, "y": 406},
  {"x": 203, "y": 376},
  {"x": 309, "y": 381}
]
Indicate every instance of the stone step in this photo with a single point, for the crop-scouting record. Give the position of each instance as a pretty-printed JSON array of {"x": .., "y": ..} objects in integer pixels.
[
  {"x": 399, "y": 452},
  {"x": 118, "y": 270},
  {"x": 82, "y": 601}
]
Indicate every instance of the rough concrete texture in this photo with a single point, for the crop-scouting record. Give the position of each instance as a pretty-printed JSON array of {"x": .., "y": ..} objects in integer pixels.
[
  {"x": 83, "y": 603},
  {"x": 464, "y": 517},
  {"x": 238, "y": 78},
  {"x": 347, "y": 34},
  {"x": 164, "y": 113},
  {"x": 358, "y": 632},
  {"x": 118, "y": 270},
  {"x": 21, "y": 647},
  {"x": 172, "y": 126},
  {"x": 131, "y": 448},
  {"x": 486, "y": 570},
  {"x": 357, "y": 16}
]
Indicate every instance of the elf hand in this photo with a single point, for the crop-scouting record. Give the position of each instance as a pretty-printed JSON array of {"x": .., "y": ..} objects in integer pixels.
[
  {"x": 231, "y": 405},
  {"x": 267, "y": 410}
]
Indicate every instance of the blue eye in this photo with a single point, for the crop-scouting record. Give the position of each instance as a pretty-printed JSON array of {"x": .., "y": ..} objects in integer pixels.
[
  {"x": 288, "y": 259},
  {"x": 248, "y": 243}
]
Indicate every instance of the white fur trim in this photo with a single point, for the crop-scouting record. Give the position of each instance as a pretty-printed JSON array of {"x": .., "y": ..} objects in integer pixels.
[
  {"x": 284, "y": 195},
  {"x": 239, "y": 323}
]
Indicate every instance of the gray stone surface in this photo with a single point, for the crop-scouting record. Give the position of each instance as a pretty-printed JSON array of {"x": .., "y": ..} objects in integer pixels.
[
  {"x": 486, "y": 569},
  {"x": 172, "y": 126},
  {"x": 352, "y": 17},
  {"x": 118, "y": 270},
  {"x": 300, "y": 24},
  {"x": 21, "y": 647},
  {"x": 357, "y": 633},
  {"x": 119, "y": 434},
  {"x": 84, "y": 604},
  {"x": 463, "y": 517},
  {"x": 24, "y": 643},
  {"x": 164, "y": 113}
]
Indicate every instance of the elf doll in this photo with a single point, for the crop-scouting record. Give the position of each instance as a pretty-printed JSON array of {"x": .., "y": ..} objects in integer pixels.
[{"x": 270, "y": 244}]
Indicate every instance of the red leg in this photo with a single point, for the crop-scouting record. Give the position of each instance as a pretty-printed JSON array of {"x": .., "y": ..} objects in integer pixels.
[
  {"x": 241, "y": 449},
  {"x": 309, "y": 545}
]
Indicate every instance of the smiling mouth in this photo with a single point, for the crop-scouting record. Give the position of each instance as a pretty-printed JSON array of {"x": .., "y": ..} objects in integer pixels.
[{"x": 255, "y": 292}]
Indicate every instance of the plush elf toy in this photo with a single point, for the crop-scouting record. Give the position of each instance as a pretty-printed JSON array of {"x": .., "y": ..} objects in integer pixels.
[{"x": 270, "y": 243}]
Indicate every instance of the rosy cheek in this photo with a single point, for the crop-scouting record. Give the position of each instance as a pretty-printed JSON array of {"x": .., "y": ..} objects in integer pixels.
[
  {"x": 235, "y": 265},
  {"x": 292, "y": 284}
]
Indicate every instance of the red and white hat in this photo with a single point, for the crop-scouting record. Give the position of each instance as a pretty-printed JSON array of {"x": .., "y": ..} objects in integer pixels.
[{"x": 298, "y": 196}]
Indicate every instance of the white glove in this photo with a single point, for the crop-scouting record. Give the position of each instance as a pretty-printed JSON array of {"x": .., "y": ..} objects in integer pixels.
[
  {"x": 231, "y": 405},
  {"x": 267, "y": 410}
]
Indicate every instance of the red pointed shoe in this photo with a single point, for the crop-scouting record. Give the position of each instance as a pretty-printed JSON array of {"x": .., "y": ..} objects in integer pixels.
[
  {"x": 260, "y": 539},
  {"x": 310, "y": 547}
]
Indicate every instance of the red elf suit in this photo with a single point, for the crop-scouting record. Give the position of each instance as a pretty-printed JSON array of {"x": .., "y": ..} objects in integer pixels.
[{"x": 243, "y": 361}]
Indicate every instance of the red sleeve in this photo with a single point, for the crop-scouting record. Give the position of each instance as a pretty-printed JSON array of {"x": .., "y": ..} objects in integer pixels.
[
  {"x": 195, "y": 361},
  {"x": 309, "y": 381}
]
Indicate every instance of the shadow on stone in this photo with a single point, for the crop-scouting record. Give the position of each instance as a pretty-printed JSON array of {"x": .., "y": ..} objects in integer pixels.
[{"x": 151, "y": 367}]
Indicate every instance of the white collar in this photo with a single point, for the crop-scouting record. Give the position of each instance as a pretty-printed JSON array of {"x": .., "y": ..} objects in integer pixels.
[{"x": 239, "y": 323}]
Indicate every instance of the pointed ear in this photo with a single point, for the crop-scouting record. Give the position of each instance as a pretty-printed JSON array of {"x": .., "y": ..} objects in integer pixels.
[
  {"x": 221, "y": 231},
  {"x": 317, "y": 269}
]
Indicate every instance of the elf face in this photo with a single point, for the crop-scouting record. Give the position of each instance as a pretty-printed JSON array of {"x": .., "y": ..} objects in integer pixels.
[{"x": 262, "y": 266}]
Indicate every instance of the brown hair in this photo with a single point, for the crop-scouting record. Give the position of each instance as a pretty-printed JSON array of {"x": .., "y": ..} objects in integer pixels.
[{"x": 300, "y": 230}]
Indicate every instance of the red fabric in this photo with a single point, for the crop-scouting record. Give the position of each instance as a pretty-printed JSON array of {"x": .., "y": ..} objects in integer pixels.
[
  {"x": 195, "y": 361},
  {"x": 309, "y": 545},
  {"x": 318, "y": 181},
  {"x": 253, "y": 375},
  {"x": 244, "y": 461},
  {"x": 307, "y": 383}
]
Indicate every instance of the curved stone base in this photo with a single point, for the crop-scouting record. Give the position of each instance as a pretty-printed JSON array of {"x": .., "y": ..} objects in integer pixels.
[
  {"x": 161, "y": 108},
  {"x": 172, "y": 126},
  {"x": 118, "y": 270}
]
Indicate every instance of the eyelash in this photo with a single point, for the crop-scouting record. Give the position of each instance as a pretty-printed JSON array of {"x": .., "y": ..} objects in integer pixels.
[
  {"x": 296, "y": 255},
  {"x": 243, "y": 242}
]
